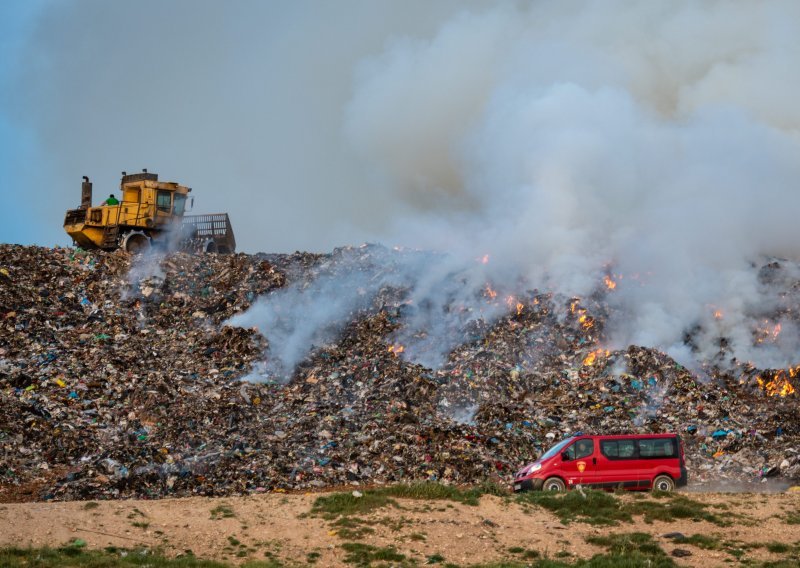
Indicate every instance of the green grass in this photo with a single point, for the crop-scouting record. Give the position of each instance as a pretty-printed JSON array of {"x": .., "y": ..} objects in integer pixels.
[
  {"x": 344, "y": 504},
  {"x": 674, "y": 507},
  {"x": 735, "y": 552},
  {"x": 222, "y": 512},
  {"x": 627, "y": 550},
  {"x": 271, "y": 563},
  {"x": 525, "y": 553},
  {"x": 632, "y": 560},
  {"x": 90, "y": 505},
  {"x": 357, "y": 554},
  {"x": 593, "y": 507},
  {"x": 363, "y": 555},
  {"x": 394, "y": 525},
  {"x": 437, "y": 491},
  {"x": 778, "y": 547},
  {"x": 701, "y": 541},
  {"x": 140, "y": 525},
  {"x": 73, "y": 557},
  {"x": 514, "y": 564},
  {"x": 351, "y": 528},
  {"x": 628, "y": 543},
  {"x": 792, "y": 518},
  {"x": 606, "y": 509}
]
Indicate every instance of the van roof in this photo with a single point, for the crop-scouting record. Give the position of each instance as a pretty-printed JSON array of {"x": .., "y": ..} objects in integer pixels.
[{"x": 620, "y": 436}]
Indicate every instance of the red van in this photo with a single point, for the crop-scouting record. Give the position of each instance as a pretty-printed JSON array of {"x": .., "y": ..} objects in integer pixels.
[{"x": 636, "y": 461}]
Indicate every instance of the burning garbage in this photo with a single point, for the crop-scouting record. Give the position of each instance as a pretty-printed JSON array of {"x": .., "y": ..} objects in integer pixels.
[
  {"x": 119, "y": 383},
  {"x": 776, "y": 383}
]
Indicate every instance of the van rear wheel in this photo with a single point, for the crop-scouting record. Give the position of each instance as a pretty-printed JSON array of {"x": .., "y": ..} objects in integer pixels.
[
  {"x": 554, "y": 484},
  {"x": 663, "y": 483}
]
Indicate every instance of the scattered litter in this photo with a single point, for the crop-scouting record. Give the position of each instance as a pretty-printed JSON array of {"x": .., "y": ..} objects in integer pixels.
[{"x": 118, "y": 381}]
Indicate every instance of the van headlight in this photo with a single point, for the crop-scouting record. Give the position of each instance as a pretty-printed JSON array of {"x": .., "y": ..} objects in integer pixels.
[{"x": 535, "y": 467}]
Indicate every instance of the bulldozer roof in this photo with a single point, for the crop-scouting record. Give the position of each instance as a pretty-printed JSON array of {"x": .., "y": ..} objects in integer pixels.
[{"x": 144, "y": 176}]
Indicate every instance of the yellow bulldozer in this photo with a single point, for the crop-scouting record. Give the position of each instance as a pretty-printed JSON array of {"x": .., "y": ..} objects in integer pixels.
[{"x": 149, "y": 213}]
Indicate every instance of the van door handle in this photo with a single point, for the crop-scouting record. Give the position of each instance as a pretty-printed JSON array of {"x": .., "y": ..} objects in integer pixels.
[{"x": 594, "y": 461}]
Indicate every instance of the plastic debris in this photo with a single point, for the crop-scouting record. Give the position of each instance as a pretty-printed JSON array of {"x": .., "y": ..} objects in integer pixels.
[{"x": 118, "y": 378}]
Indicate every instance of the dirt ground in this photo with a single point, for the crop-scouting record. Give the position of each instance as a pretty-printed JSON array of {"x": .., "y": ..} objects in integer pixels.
[{"x": 276, "y": 525}]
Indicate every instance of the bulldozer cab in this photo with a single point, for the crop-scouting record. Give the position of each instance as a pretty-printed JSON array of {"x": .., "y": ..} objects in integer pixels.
[
  {"x": 146, "y": 199},
  {"x": 149, "y": 212}
]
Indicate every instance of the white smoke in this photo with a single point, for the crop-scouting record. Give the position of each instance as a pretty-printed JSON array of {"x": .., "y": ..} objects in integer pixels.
[
  {"x": 309, "y": 314},
  {"x": 435, "y": 295},
  {"x": 657, "y": 141}
]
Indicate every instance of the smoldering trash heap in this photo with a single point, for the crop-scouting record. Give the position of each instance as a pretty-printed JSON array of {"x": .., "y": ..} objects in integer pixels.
[{"x": 232, "y": 374}]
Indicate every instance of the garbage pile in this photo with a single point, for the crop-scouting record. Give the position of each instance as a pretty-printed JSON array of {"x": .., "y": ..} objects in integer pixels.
[{"x": 119, "y": 377}]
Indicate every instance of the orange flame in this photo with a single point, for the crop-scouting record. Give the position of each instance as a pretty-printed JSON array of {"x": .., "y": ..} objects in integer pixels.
[
  {"x": 586, "y": 321},
  {"x": 767, "y": 332},
  {"x": 779, "y": 385},
  {"x": 512, "y": 302},
  {"x": 396, "y": 349},
  {"x": 610, "y": 284},
  {"x": 592, "y": 356},
  {"x": 718, "y": 314},
  {"x": 491, "y": 293},
  {"x": 485, "y": 259}
]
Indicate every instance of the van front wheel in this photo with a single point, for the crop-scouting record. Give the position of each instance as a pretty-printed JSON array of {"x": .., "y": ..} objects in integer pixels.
[
  {"x": 663, "y": 483},
  {"x": 554, "y": 484}
]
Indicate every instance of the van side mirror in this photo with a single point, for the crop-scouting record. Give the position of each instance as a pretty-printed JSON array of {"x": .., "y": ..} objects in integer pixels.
[{"x": 565, "y": 456}]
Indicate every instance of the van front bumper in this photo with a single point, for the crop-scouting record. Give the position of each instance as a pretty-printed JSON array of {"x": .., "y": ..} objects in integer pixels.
[{"x": 530, "y": 484}]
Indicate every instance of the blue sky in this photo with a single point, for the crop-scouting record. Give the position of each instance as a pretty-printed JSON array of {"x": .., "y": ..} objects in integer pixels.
[
  {"x": 244, "y": 102},
  {"x": 17, "y": 148}
]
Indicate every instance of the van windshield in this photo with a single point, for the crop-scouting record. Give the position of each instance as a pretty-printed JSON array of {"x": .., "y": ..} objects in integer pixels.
[{"x": 555, "y": 449}]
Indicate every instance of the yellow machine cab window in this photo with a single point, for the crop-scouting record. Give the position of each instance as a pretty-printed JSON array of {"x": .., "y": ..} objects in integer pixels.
[
  {"x": 164, "y": 200},
  {"x": 180, "y": 204}
]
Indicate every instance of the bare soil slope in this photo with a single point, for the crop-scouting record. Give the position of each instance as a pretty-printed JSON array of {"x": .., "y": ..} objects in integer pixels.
[{"x": 281, "y": 527}]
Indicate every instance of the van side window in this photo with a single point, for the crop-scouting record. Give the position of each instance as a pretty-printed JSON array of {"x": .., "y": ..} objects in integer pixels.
[
  {"x": 580, "y": 449},
  {"x": 618, "y": 449},
  {"x": 657, "y": 448}
]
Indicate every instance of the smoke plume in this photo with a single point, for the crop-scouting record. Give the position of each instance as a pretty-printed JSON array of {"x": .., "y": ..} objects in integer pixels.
[{"x": 654, "y": 142}]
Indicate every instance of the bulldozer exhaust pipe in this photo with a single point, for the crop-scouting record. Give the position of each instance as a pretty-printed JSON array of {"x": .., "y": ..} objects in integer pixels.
[{"x": 86, "y": 193}]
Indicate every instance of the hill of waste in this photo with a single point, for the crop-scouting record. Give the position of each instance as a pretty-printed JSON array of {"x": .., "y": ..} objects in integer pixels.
[{"x": 119, "y": 378}]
